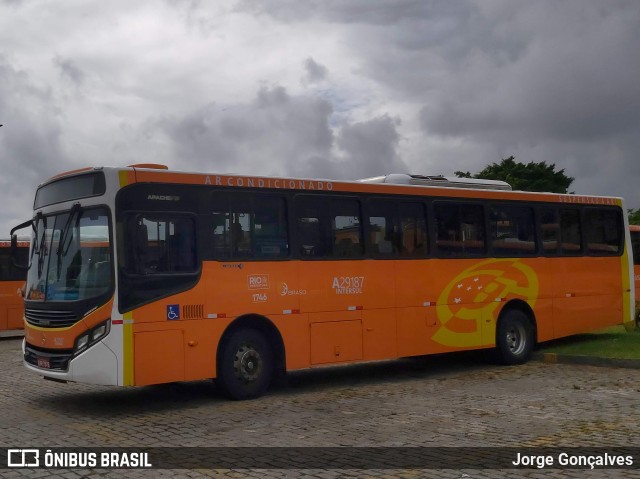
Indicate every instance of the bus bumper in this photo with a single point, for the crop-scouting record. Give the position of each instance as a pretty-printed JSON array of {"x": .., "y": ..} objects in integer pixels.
[{"x": 96, "y": 365}]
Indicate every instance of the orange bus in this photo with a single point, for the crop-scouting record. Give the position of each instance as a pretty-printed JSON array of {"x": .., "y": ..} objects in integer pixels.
[
  {"x": 635, "y": 246},
  {"x": 11, "y": 280},
  {"x": 140, "y": 275}
]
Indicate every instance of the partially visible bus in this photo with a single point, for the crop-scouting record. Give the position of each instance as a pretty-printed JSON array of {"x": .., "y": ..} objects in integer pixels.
[
  {"x": 141, "y": 275},
  {"x": 635, "y": 244},
  {"x": 11, "y": 281}
]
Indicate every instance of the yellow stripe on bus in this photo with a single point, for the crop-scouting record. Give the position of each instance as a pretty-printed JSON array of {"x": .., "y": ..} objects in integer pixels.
[
  {"x": 124, "y": 178},
  {"x": 627, "y": 316}
]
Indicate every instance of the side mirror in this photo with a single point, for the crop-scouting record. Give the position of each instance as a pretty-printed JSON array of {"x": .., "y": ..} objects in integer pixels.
[
  {"x": 14, "y": 245},
  {"x": 14, "y": 251}
]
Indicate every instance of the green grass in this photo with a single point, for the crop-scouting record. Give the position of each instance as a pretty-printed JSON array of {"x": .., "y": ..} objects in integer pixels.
[{"x": 614, "y": 342}]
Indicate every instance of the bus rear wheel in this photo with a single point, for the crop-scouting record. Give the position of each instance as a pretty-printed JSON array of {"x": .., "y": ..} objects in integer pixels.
[
  {"x": 514, "y": 338},
  {"x": 245, "y": 365}
]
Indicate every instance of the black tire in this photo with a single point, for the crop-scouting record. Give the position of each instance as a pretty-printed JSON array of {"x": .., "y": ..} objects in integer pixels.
[
  {"x": 514, "y": 338},
  {"x": 245, "y": 365}
]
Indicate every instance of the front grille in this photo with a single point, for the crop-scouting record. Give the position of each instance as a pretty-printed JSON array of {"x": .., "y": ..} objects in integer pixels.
[
  {"x": 58, "y": 361},
  {"x": 50, "y": 319}
]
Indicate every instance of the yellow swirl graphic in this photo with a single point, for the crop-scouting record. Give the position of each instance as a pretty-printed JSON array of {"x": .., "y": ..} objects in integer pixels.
[{"x": 473, "y": 298}]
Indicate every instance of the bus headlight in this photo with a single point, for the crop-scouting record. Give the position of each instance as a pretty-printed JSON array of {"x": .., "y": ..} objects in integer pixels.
[
  {"x": 92, "y": 336},
  {"x": 82, "y": 342},
  {"x": 99, "y": 332}
]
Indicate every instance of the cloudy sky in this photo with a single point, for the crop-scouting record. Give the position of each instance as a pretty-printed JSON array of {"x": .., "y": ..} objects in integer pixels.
[{"x": 339, "y": 89}]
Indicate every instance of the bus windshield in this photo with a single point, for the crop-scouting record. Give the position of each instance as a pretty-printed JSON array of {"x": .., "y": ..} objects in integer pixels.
[{"x": 71, "y": 258}]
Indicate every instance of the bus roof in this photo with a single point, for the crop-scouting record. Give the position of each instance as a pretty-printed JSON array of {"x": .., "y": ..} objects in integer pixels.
[
  {"x": 443, "y": 181},
  {"x": 387, "y": 184}
]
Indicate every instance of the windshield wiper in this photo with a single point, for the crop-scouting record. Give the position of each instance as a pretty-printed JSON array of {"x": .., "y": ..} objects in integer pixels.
[
  {"x": 40, "y": 245},
  {"x": 64, "y": 234}
]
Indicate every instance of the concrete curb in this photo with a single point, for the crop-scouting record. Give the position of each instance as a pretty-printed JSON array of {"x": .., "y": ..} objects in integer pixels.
[{"x": 586, "y": 360}]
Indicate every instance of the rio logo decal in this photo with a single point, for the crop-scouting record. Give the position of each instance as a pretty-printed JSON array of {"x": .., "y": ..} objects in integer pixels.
[{"x": 474, "y": 296}]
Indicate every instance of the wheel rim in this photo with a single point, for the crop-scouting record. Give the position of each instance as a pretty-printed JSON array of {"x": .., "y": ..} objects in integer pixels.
[
  {"x": 247, "y": 363},
  {"x": 516, "y": 338}
]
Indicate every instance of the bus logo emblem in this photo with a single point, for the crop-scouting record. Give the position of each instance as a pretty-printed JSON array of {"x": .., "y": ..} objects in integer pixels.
[
  {"x": 23, "y": 458},
  {"x": 173, "y": 311}
]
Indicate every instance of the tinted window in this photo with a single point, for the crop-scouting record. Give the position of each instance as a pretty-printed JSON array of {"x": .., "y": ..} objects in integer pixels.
[
  {"x": 512, "y": 230},
  {"x": 7, "y": 271},
  {"x": 549, "y": 230},
  {"x": 249, "y": 226},
  {"x": 413, "y": 230},
  {"x": 635, "y": 245},
  {"x": 82, "y": 186},
  {"x": 328, "y": 227},
  {"x": 384, "y": 231},
  {"x": 311, "y": 241},
  {"x": 603, "y": 231},
  {"x": 161, "y": 257},
  {"x": 270, "y": 236},
  {"x": 459, "y": 229},
  {"x": 162, "y": 244},
  {"x": 346, "y": 229},
  {"x": 570, "y": 231}
]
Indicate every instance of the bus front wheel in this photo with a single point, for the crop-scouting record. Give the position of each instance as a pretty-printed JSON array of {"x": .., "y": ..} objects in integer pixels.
[
  {"x": 245, "y": 365},
  {"x": 514, "y": 338}
]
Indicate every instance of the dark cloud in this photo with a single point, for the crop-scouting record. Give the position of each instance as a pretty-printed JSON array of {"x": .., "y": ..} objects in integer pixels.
[
  {"x": 378, "y": 12},
  {"x": 370, "y": 148},
  {"x": 576, "y": 82},
  {"x": 30, "y": 143},
  {"x": 314, "y": 72},
  {"x": 282, "y": 134},
  {"x": 503, "y": 77},
  {"x": 70, "y": 70},
  {"x": 270, "y": 135}
]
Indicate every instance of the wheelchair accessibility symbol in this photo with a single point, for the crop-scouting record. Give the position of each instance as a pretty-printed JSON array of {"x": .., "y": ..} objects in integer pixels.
[{"x": 173, "y": 311}]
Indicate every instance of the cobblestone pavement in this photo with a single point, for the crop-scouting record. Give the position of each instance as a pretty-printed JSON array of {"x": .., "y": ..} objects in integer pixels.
[{"x": 452, "y": 400}]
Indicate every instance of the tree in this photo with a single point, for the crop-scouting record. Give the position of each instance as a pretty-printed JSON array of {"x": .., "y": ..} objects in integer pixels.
[
  {"x": 634, "y": 217},
  {"x": 530, "y": 177}
]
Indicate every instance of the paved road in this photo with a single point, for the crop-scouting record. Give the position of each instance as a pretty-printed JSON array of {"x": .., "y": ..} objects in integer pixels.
[{"x": 458, "y": 401}]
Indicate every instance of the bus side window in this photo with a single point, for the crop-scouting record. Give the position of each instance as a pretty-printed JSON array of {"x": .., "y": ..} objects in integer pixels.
[
  {"x": 512, "y": 230},
  {"x": 549, "y": 231},
  {"x": 237, "y": 236},
  {"x": 183, "y": 247},
  {"x": 635, "y": 248},
  {"x": 603, "y": 231},
  {"x": 570, "y": 231},
  {"x": 412, "y": 234},
  {"x": 346, "y": 229},
  {"x": 460, "y": 229},
  {"x": 309, "y": 230},
  {"x": 383, "y": 228},
  {"x": 163, "y": 245},
  {"x": 4, "y": 266},
  {"x": 221, "y": 226},
  {"x": 141, "y": 247},
  {"x": 270, "y": 229}
]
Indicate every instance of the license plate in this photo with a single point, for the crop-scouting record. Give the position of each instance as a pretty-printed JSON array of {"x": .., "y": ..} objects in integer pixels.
[{"x": 44, "y": 363}]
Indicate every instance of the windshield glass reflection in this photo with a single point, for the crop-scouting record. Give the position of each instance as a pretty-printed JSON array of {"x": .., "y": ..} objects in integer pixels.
[{"x": 71, "y": 256}]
